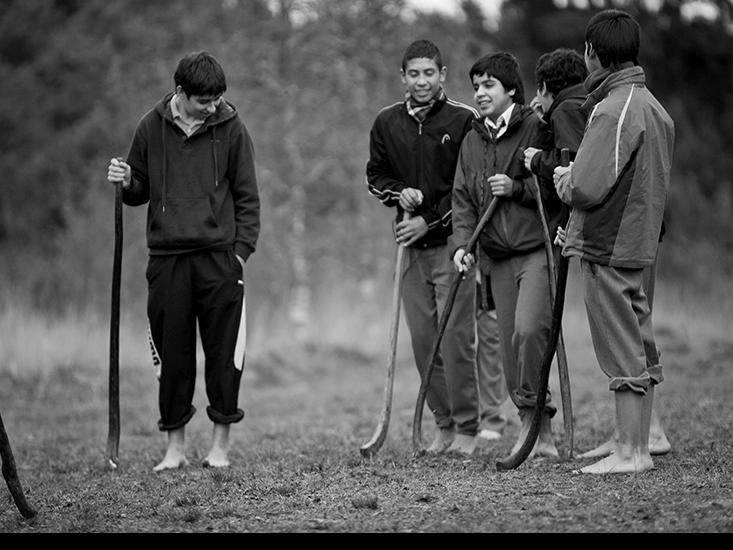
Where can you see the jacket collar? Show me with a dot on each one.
(224, 112)
(600, 83)
(577, 91)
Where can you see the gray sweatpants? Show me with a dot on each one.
(621, 326)
(521, 292)
(453, 391)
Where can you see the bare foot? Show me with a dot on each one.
(545, 444)
(172, 461)
(617, 464)
(659, 444)
(604, 449)
(216, 460)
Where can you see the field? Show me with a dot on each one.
(309, 407)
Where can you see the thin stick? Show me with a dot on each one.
(417, 447)
(371, 447)
(11, 475)
(113, 437)
(558, 301)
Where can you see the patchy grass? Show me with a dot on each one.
(296, 462)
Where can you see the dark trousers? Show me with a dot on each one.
(207, 287)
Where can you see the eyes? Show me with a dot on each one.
(206, 101)
(428, 73)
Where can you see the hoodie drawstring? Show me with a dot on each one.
(162, 123)
(216, 161)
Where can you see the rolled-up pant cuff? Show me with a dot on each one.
(639, 384)
(170, 427)
(219, 418)
(527, 404)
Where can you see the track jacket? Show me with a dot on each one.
(202, 189)
(618, 183)
(405, 153)
(515, 228)
(564, 127)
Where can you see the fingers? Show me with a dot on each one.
(410, 198)
(462, 261)
(118, 171)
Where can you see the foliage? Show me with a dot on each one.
(308, 77)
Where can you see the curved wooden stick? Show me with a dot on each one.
(371, 447)
(11, 475)
(562, 360)
(417, 447)
(558, 301)
(113, 435)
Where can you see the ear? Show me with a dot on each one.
(443, 73)
(512, 91)
(590, 52)
(402, 76)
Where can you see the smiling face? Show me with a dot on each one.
(423, 78)
(491, 96)
(197, 107)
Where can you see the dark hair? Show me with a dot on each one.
(615, 37)
(560, 69)
(199, 73)
(422, 48)
(504, 67)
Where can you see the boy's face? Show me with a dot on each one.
(491, 96)
(423, 78)
(197, 107)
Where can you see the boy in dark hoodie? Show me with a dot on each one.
(560, 96)
(192, 160)
(491, 164)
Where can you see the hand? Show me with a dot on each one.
(560, 236)
(536, 106)
(561, 177)
(410, 198)
(529, 153)
(119, 171)
(409, 231)
(501, 185)
(462, 261)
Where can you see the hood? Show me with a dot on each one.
(224, 112)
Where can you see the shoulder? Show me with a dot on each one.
(462, 108)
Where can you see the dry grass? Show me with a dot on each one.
(296, 463)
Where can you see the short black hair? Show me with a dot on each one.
(199, 73)
(504, 67)
(422, 48)
(560, 69)
(615, 37)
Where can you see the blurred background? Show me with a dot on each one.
(308, 78)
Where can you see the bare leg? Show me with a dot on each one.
(175, 455)
(658, 442)
(218, 455)
(633, 412)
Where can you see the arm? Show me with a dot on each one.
(568, 126)
(463, 212)
(244, 192)
(381, 180)
(605, 150)
(138, 192)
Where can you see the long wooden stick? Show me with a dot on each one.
(10, 474)
(371, 447)
(514, 460)
(562, 360)
(417, 447)
(113, 435)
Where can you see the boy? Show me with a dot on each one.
(617, 188)
(192, 160)
(560, 96)
(413, 148)
(491, 165)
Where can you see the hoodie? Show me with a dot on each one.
(201, 190)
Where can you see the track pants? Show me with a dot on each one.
(453, 391)
(207, 287)
(521, 290)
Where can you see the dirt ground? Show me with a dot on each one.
(297, 467)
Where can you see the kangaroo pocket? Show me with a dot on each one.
(186, 222)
